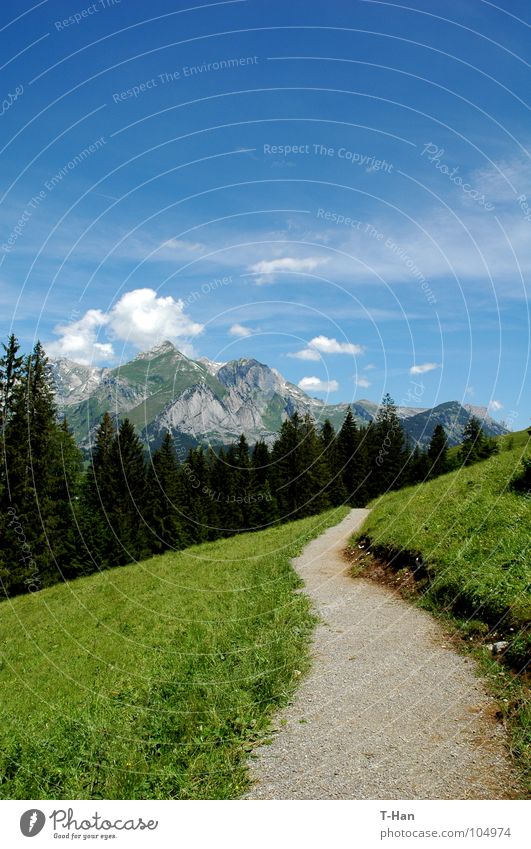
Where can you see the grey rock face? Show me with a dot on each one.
(162, 389)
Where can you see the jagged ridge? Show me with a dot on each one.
(197, 401)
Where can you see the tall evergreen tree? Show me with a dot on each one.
(128, 475)
(335, 489)
(98, 501)
(264, 508)
(10, 374)
(299, 473)
(242, 476)
(352, 457)
(387, 449)
(416, 467)
(235, 490)
(65, 496)
(475, 445)
(438, 452)
(222, 491)
(164, 499)
(197, 496)
(41, 474)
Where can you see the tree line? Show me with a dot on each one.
(61, 517)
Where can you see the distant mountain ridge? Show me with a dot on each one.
(201, 401)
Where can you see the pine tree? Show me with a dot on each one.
(235, 490)
(352, 451)
(197, 496)
(221, 487)
(98, 500)
(475, 446)
(387, 449)
(10, 374)
(438, 452)
(299, 475)
(264, 508)
(314, 478)
(286, 468)
(64, 496)
(473, 440)
(335, 489)
(128, 478)
(242, 475)
(34, 486)
(41, 475)
(417, 466)
(164, 499)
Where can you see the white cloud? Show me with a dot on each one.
(315, 384)
(470, 391)
(332, 346)
(362, 381)
(143, 319)
(139, 317)
(306, 354)
(495, 406)
(240, 330)
(268, 268)
(79, 340)
(369, 367)
(181, 245)
(324, 345)
(423, 368)
(505, 180)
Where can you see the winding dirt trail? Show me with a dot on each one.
(388, 711)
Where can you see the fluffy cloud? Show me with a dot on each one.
(495, 406)
(139, 318)
(315, 384)
(79, 340)
(423, 368)
(324, 345)
(332, 346)
(362, 381)
(266, 269)
(306, 354)
(240, 330)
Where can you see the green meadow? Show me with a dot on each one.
(154, 680)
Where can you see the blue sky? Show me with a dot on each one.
(340, 190)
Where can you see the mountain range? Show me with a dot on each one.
(202, 401)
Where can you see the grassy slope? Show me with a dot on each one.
(473, 536)
(472, 533)
(152, 680)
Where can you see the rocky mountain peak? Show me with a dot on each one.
(251, 373)
(165, 347)
(162, 389)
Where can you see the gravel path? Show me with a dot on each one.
(388, 711)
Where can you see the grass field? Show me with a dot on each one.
(469, 538)
(471, 534)
(154, 679)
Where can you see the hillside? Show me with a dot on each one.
(468, 536)
(201, 401)
(153, 680)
